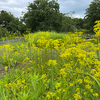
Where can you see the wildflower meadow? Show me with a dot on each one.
(51, 66)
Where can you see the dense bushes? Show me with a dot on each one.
(3, 32)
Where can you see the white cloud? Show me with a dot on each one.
(14, 6)
(79, 6)
(17, 6)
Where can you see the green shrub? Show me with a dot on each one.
(3, 32)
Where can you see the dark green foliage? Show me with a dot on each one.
(5, 16)
(92, 14)
(3, 32)
(43, 15)
(79, 23)
(67, 24)
(11, 23)
(15, 25)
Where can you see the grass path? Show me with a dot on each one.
(13, 40)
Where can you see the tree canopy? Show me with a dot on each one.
(92, 14)
(43, 15)
(10, 22)
(5, 16)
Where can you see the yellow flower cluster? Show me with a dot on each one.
(77, 96)
(58, 85)
(62, 72)
(6, 68)
(50, 95)
(74, 73)
(43, 76)
(15, 87)
(53, 62)
(25, 60)
(97, 28)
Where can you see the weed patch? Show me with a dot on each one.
(50, 66)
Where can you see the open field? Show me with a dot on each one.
(50, 66)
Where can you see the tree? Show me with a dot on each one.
(79, 23)
(5, 16)
(3, 32)
(67, 24)
(11, 23)
(15, 25)
(92, 14)
(43, 15)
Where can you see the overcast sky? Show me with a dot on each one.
(17, 6)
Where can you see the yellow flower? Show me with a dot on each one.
(52, 94)
(77, 89)
(28, 69)
(88, 86)
(27, 50)
(71, 84)
(79, 81)
(18, 82)
(23, 81)
(9, 84)
(95, 95)
(24, 86)
(6, 85)
(43, 76)
(49, 62)
(85, 93)
(44, 81)
(26, 59)
(22, 45)
(59, 90)
(6, 68)
(31, 67)
(96, 28)
(23, 72)
(31, 61)
(91, 90)
(77, 96)
(42, 66)
(48, 96)
(58, 85)
(62, 72)
(63, 90)
(57, 98)
(53, 62)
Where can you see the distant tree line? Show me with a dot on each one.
(8, 21)
(92, 14)
(44, 15)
